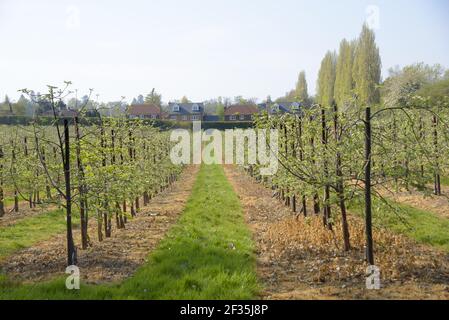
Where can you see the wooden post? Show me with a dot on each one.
(368, 213)
(71, 251)
(2, 204)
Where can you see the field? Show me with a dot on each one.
(161, 231)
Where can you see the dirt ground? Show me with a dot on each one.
(297, 258)
(116, 257)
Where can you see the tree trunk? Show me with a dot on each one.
(304, 206)
(133, 212)
(340, 185)
(316, 202)
(326, 200)
(99, 227)
(82, 189)
(16, 201)
(107, 225)
(2, 203)
(437, 177)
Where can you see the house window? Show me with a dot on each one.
(173, 117)
(232, 118)
(195, 117)
(153, 116)
(295, 106)
(184, 118)
(242, 117)
(195, 107)
(175, 108)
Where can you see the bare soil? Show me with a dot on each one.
(116, 257)
(297, 258)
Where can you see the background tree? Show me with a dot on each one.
(326, 80)
(344, 84)
(301, 89)
(220, 108)
(140, 99)
(184, 99)
(153, 97)
(400, 86)
(367, 68)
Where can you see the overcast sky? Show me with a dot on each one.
(202, 49)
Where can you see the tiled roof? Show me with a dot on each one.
(144, 109)
(286, 107)
(186, 108)
(243, 109)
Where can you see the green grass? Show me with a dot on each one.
(445, 180)
(30, 230)
(9, 200)
(422, 226)
(208, 254)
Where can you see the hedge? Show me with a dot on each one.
(162, 124)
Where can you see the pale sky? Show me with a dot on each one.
(202, 49)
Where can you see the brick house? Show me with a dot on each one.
(186, 111)
(144, 111)
(284, 107)
(240, 112)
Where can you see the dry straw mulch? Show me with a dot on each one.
(297, 258)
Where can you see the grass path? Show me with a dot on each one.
(208, 254)
(29, 230)
(423, 226)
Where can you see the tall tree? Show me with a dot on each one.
(8, 104)
(344, 84)
(20, 108)
(220, 111)
(367, 68)
(301, 88)
(326, 80)
(153, 97)
(140, 99)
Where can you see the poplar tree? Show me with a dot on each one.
(326, 80)
(344, 83)
(366, 69)
(301, 88)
